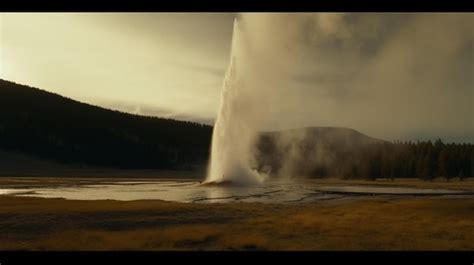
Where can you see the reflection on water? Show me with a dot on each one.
(13, 191)
(192, 191)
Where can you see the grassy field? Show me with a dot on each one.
(437, 183)
(379, 223)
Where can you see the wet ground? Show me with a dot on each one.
(192, 191)
(324, 214)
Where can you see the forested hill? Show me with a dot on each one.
(38, 129)
(53, 127)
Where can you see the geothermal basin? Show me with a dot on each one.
(193, 191)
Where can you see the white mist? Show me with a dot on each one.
(234, 131)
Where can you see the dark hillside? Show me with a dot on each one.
(53, 127)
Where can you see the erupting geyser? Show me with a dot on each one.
(234, 130)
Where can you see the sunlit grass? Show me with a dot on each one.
(370, 224)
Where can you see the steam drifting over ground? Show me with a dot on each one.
(387, 75)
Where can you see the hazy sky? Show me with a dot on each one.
(159, 64)
(392, 76)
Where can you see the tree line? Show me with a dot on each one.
(346, 153)
(425, 160)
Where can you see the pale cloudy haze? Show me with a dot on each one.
(392, 76)
(163, 64)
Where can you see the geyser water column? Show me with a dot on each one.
(234, 130)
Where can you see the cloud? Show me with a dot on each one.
(389, 75)
(171, 61)
(393, 76)
(154, 111)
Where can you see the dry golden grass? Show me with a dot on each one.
(382, 223)
(437, 183)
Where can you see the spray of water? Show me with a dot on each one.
(234, 130)
(298, 70)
